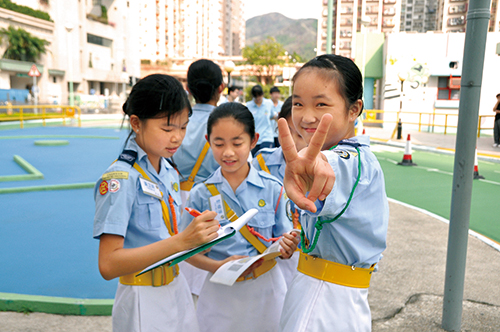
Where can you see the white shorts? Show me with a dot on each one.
(147, 308)
(314, 305)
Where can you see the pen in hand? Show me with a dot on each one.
(195, 213)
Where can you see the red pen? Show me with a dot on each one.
(193, 212)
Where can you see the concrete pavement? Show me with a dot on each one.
(407, 292)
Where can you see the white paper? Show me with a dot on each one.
(228, 273)
(232, 270)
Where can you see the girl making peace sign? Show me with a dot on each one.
(345, 213)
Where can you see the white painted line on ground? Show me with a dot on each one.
(483, 238)
(488, 181)
(392, 161)
(434, 170)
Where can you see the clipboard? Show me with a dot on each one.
(224, 233)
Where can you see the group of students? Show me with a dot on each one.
(323, 177)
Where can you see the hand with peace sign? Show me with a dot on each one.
(307, 170)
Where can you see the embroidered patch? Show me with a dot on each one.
(342, 154)
(128, 156)
(175, 186)
(262, 203)
(114, 185)
(103, 187)
(115, 175)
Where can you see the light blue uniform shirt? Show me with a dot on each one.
(275, 161)
(194, 141)
(258, 187)
(274, 112)
(262, 119)
(358, 237)
(125, 210)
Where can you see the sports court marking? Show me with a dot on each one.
(33, 173)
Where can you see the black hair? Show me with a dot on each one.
(344, 71)
(232, 88)
(238, 112)
(204, 78)
(498, 95)
(286, 109)
(257, 91)
(274, 89)
(156, 96)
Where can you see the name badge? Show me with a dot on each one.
(150, 188)
(217, 205)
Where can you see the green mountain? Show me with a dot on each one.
(295, 35)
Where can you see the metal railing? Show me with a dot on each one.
(425, 119)
(24, 113)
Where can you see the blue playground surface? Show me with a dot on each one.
(46, 224)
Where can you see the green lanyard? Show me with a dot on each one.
(319, 223)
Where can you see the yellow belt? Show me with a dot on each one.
(265, 267)
(335, 273)
(159, 276)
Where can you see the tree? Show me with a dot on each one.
(267, 58)
(21, 45)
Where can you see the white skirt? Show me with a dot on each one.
(314, 305)
(247, 306)
(289, 267)
(147, 308)
(195, 277)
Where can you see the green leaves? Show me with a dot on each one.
(264, 56)
(21, 45)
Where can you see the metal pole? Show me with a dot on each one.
(69, 28)
(35, 95)
(329, 28)
(475, 42)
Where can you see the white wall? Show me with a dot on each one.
(435, 50)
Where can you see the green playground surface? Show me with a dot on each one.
(429, 186)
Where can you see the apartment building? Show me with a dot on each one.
(188, 29)
(418, 15)
(452, 16)
(93, 44)
(233, 27)
(378, 16)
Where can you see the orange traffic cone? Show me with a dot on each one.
(476, 169)
(364, 131)
(407, 161)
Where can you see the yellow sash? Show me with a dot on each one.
(262, 163)
(188, 184)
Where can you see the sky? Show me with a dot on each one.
(291, 8)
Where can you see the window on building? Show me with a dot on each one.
(456, 21)
(93, 39)
(449, 88)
